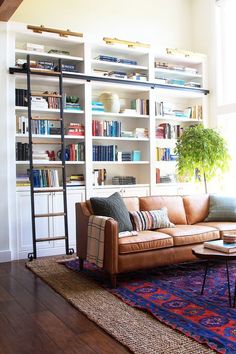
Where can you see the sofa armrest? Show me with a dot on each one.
(110, 242)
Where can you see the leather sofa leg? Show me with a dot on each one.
(81, 263)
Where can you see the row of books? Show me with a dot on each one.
(45, 178)
(47, 102)
(45, 65)
(140, 105)
(165, 154)
(170, 66)
(75, 152)
(22, 151)
(104, 152)
(166, 108)
(168, 131)
(106, 128)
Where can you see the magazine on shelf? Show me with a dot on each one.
(219, 245)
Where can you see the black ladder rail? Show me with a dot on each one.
(61, 100)
(62, 166)
(32, 255)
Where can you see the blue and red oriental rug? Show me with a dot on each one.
(172, 295)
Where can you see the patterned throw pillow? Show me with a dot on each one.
(150, 220)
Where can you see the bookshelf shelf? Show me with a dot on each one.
(119, 115)
(101, 64)
(49, 136)
(120, 162)
(176, 74)
(42, 55)
(178, 119)
(51, 110)
(119, 138)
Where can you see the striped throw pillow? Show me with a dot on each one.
(150, 220)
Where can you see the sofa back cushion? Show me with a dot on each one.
(174, 205)
(196, 207)
(132, 203)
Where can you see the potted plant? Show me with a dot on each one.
(202, 153)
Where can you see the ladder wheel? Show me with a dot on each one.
(71, 251)
(30, 257)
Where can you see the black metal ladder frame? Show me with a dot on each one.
(33, 255)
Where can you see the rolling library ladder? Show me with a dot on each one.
(62, 166)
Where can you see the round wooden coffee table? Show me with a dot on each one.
(213, 255)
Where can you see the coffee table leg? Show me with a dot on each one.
(204, 280)
(234, 294)
(227, 269)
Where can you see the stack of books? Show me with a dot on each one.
(76, 129)
(137, 76)
(122, 180)
(40, 155)
(22, 180)
(76, 180)
(97, 106)
(118, 74)
(221, 246)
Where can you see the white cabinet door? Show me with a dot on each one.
(45, 227)
(24, 224)
(73, 196)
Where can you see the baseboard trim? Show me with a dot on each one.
(5, 256)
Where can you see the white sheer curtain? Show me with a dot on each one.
(226, 83)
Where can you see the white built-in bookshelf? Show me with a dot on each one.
(170, 88)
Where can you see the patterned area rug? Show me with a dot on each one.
(135, 329)
(172, 295)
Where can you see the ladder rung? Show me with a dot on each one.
(46, 142)
(40, 94)
(45, 71)
(42, 239)
(46, 190)
(46, 118)
(49, 215)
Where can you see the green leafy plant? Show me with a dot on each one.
(201, 152)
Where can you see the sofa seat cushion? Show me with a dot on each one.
(145, 241)
(222, 226)
(191, 234)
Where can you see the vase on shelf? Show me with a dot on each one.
(111, 102)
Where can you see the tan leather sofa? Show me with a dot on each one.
(153, 247)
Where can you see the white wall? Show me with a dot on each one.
(4, 204)
(204, 41)
(163, 22)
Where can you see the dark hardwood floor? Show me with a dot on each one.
(35, 319)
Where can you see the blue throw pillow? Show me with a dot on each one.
(114, 207)
(222, 208)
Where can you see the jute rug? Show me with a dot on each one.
(135, 329)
